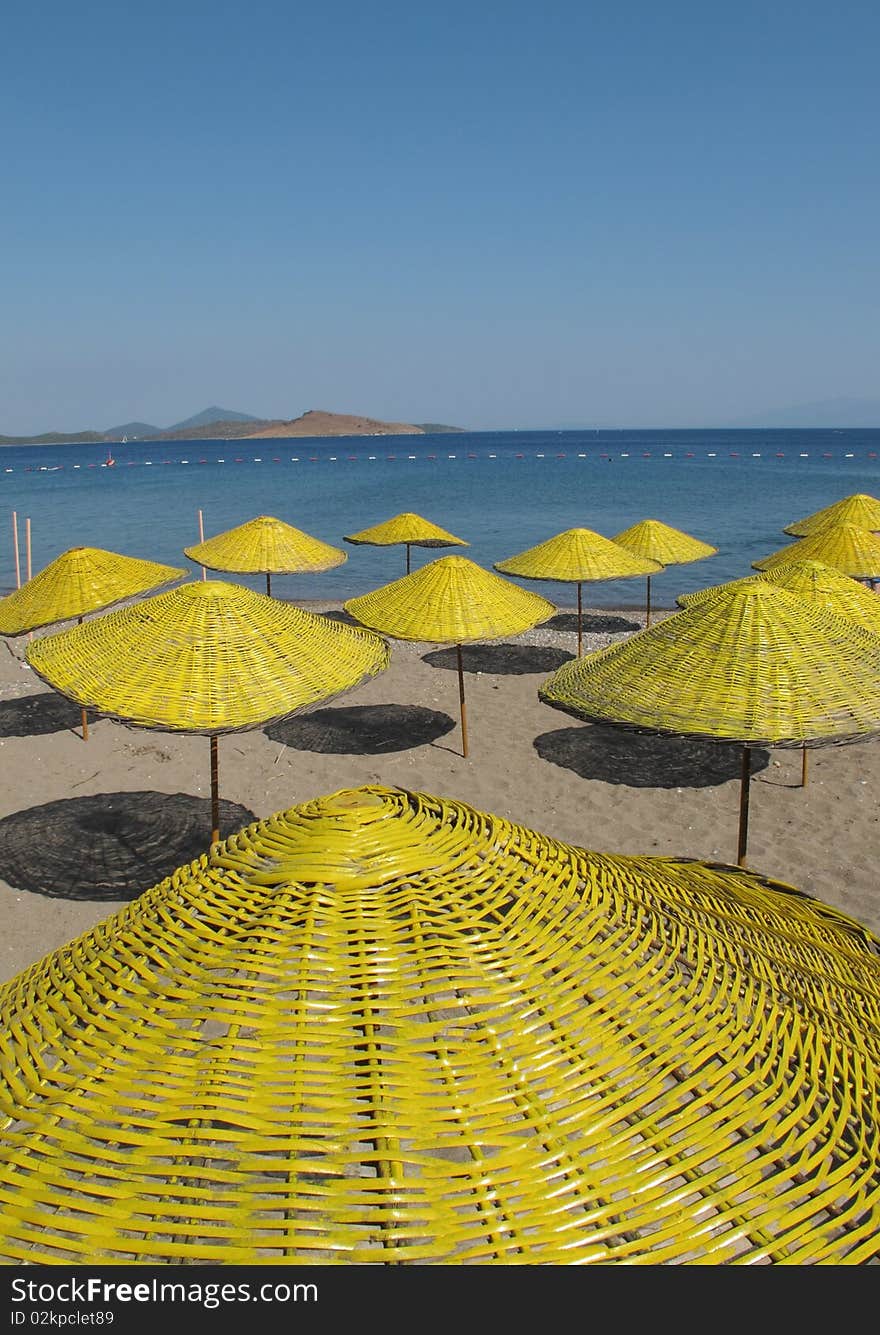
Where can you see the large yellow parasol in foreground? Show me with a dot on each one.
(858, 509)
(450, 601)
(209, 658)
(79, 581)
(266, 546)
(385, 1028)
(409, 530)
(574, 556)
(659, 542)
(848, 548)
(755, 665)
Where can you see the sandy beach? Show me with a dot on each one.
(85, 826)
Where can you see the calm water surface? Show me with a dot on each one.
(502, 491)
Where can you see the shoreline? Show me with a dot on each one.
(90, 824)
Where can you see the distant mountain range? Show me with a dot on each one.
(217, 423)
(144, 431)
(824, 413)
(224, 424)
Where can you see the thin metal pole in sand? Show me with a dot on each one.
(15, 544)
(744, 787)
(462, 706)
(648, 605)
(215, 793)
(580, 619)
(202, 539)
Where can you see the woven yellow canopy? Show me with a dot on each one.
(266, 546)
(409, 530)
(209, 657)
(81, 580)
(449, 601)
(857, 509)
(660, 542)
(578, 554)
(574, 556)
(384, 1028)
(814, 580)
(406, 528)
(848, 548)
(755, 664)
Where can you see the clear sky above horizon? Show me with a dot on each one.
(487, 214)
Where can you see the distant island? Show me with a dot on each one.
(319, 423)
(224, 424)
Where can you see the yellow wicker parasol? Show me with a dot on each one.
(858, 509)
(823, 585)
(450, 601)
(406, 529)
(385, 1028)
(820, 583)
(210, 658)
(755, 664)
(574, 556)
(81, 580)
(848, 548)
(265, 546)
(658, 542)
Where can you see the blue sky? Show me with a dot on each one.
(487, 214)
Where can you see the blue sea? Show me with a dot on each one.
(501, 491)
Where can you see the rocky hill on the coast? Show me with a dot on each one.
(319, 423)
(237, 426)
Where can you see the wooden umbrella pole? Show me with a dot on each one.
(407, 558)
(580, 619)
(744, 786)
(648, 605)
(268, 584)
(202, 539)
(27, 544)
(804, 765)
(85, 717)
(15, 545)
(215, 793)
(462, 706)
